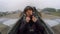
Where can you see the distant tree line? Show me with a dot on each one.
(58, 10)
(3, 14)
(51, 10)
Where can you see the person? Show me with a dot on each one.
(31, 24)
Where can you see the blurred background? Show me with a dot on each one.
(10, 12)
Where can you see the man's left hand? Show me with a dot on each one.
(34, 19)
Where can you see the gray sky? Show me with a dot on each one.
(11, 5)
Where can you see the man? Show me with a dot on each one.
(31, 25)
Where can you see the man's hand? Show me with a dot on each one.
(27, 19)
(34, 19)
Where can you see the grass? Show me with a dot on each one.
(55, 13)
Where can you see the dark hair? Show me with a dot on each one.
(28, 8)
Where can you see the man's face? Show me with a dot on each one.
(29, 12)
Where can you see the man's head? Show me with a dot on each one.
(28, 10)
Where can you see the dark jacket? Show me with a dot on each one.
(35, 27)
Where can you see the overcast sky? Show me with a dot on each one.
(11, 5)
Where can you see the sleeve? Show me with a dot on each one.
(39, 25)
(23, 26)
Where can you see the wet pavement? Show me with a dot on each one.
(6, 24)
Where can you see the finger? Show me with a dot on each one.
(32, 16)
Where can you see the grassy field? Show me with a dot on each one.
(12, 16)
(56, 13)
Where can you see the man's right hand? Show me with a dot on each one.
(27, 19)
